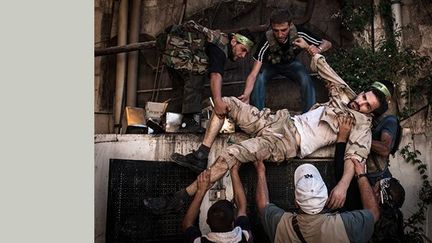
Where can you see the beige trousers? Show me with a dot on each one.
(273, 136)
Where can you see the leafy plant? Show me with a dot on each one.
(413, 225)
(361, 66)
(355, 14)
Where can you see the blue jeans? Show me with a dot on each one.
(294, 71)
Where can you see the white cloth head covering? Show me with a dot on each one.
(310, 189)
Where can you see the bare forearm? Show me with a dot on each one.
(325, 45)
(249, 85)
(239, 194)
(193, 210)
(262, 198)
(250, 80)
(216, 86)
(380, 148)
(367, 197)
(348, 174)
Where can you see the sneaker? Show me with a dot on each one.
(194, 161)
(172, 202)
(190, 125)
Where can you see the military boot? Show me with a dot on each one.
(196, 161)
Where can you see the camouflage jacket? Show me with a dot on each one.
(184, 46)
(276, 53)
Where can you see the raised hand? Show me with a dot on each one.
(345, 126)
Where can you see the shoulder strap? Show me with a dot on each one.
(297, 229)
(397, 139)
(204, 240)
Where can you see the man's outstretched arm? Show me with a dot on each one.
(250, 82)
(338, 194)
(220, 107)
(319, 64)
(239, 194)
(324, 46)
(240, 201)
(367, 197)
(262, 197)
(204, 184)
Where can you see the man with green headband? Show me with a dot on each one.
(386, 135)
(193, 52)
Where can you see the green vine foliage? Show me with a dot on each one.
(384, 9)
(413, 225)
(355, 14)
(360, 66)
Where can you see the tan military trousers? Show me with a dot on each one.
(273, 136)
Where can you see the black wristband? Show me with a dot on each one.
(361, 175)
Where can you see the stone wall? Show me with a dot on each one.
(158, 14)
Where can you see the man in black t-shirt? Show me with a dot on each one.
(190, 51)
(276, 54)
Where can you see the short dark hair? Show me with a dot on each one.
(220, 216)
(383, 106)
(279, 16)
(396, 194)
(246, 33)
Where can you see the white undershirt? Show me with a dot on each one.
(313, 134)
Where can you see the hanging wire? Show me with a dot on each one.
(159, 82)
(156, 78)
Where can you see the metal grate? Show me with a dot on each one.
(131, 181)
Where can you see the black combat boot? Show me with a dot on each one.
(196, 161)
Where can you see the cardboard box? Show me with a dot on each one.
(133, 120)
(155, 110)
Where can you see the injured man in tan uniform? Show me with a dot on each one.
(280, 136)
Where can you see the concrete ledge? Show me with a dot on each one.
(156, 148)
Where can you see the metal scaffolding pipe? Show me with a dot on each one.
(397, 23)
(125, 48)
(397, 30)
(150, 44)
(132, 69)
(121, 62)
